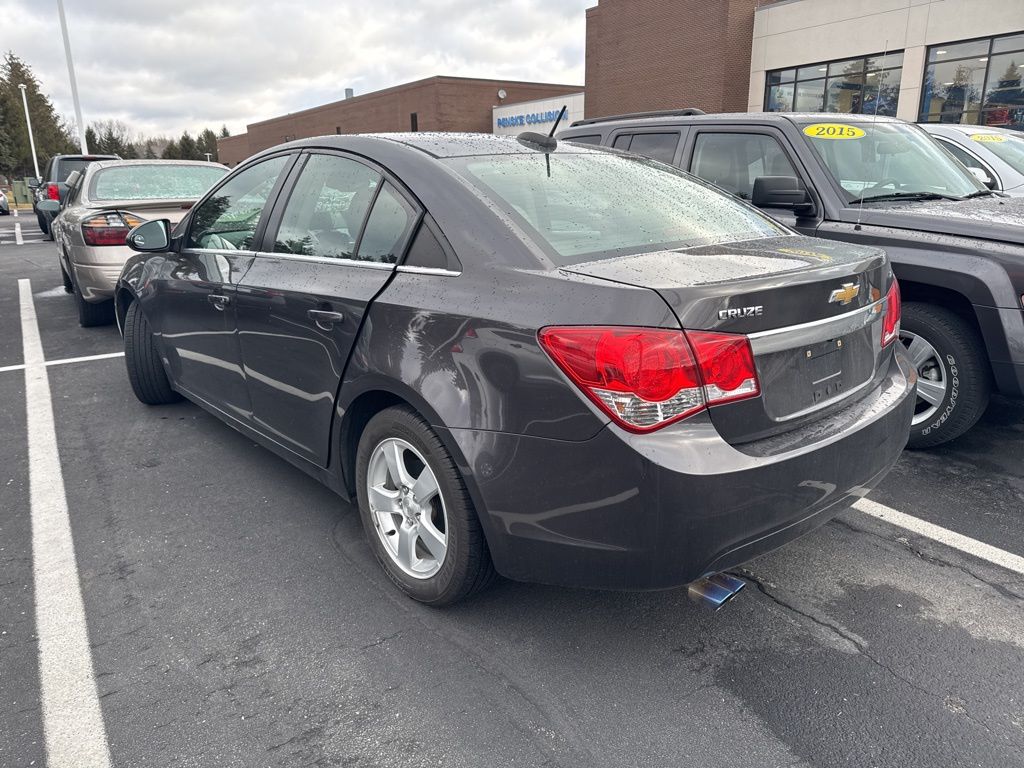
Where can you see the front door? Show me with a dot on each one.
(732, 158)
(197, 293)
(331, 247)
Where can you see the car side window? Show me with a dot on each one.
(966, 158)
(387, 229)
(657, 146)
(327, 208)
(589, 139)
(733, 161)
(229, 217)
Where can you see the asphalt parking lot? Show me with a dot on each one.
(235, 616)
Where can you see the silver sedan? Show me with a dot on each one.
(995, 153)
(103, 203)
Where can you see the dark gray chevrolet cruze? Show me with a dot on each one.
(566, 364)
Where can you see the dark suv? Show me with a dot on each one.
(53, 184)
(957, 248)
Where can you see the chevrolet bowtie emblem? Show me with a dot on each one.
(844, 295)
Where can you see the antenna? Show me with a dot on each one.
(558, 120)
(874, 120)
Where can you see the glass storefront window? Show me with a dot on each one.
(861, 85)
(977, 82)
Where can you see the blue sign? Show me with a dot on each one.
(530, 118)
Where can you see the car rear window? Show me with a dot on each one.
(66, 167)
(153, 182)
(580, 207)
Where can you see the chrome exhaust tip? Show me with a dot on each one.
(716, 590)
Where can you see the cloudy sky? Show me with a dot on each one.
(163, 67)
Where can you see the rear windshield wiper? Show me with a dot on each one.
(907, 196)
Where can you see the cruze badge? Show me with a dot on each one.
(732, 314)
(844, 295)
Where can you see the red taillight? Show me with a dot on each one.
(645, 378)
(52, 192)
(109, 228)
(891, 321)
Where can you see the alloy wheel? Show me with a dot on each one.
(407, 508)
(932, 379)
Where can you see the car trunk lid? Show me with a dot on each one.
(812, 310)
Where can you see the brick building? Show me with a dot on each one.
(666, 54)
(957, 61)
(434, 104)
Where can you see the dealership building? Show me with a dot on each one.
(920, 60)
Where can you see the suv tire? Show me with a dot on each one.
(949, 357)
(465, 567)
(145, 370)
(42, 224)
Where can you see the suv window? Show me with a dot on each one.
(387, 229)
(657, 146)
(594, 138)
(733, 160)
(228, 218)
(65, 167)
(327, 207)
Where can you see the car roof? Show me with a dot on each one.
(434, 144)
(758, 118)
(968, 129)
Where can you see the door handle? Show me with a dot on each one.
(219, 301)
(325, 318)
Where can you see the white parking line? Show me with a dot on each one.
(17, 234)
(65, 361)
(980, 549)
(72, 719)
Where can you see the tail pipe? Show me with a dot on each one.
(716, 590)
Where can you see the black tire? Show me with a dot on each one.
(965, 369)
(466, 568)
(145, 370)
(91, 314)
(43, 226)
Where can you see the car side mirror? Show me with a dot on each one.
(150, 236)
(984, 178)
(782, 192)
(49, 206)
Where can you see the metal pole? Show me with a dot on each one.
(28, 120)
(71, 76)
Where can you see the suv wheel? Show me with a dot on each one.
(954, 382)
(42, 224)
(92, 313)
(417, 514)
(145, 370)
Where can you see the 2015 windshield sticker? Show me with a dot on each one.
(987, 137)
(833, 131)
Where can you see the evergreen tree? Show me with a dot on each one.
(172, 151)
(187, 147)
(51, 134)
(147, 150)
(224, 132)
(207, 143)
(91, 139)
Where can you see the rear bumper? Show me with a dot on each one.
(97, 270)
(625, 511)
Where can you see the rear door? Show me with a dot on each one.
(732, 157)
(195, 297)
(331, 247)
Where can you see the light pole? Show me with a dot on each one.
(28, 121)
(71, 76)
(208, 156)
